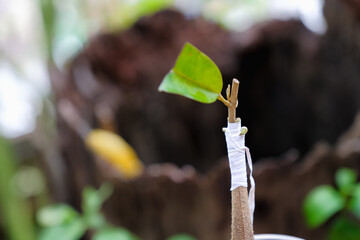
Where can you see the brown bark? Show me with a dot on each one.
(241, 226)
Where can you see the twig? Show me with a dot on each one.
(223, 100)
(233, 100)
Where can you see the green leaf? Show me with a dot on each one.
(73, 230)
(95, 220)
(114, 233)
(345, 179)
(194, 76)
(56, 215)
(181, 237)
(354, 203)
(93, 199)
(344, 229)
(322, 203)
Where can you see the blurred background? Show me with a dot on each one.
(69, 67)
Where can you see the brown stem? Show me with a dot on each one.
(233, 101)
(241, 226)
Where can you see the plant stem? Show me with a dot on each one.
(241, 226)
(15, 211)
(233, 101)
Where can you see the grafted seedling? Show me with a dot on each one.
(197, 77)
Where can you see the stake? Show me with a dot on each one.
(241, 226)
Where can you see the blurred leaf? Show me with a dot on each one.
(30, 181)
(48, 13)
(131, 11)
(92, 201)
(145, 7)
(181, 237)
(56, 215)
(345, 179)
(105, 191)
(114, 233)
(354, 203)
(14, 210)
(344, 229)
(194, 76)
(116, 151)
(95, 220)
(73, 230)
(320, 204)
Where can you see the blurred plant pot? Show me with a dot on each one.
(275, 237)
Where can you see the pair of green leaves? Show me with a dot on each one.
(324, 201)
(194, 76)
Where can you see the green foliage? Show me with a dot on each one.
(93, 199)
(194, 76)
(344, 229)
(345, 179)
(56, 215)
(72, 230)
(62, 222)
(354, 202)
(14, 210)
(323, 202)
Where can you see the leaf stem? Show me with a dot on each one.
(223, 100)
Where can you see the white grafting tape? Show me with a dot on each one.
(238, 154)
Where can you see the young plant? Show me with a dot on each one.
(62, 222)
(325, 201)
(197, 77)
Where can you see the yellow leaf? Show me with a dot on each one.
(116, 151)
